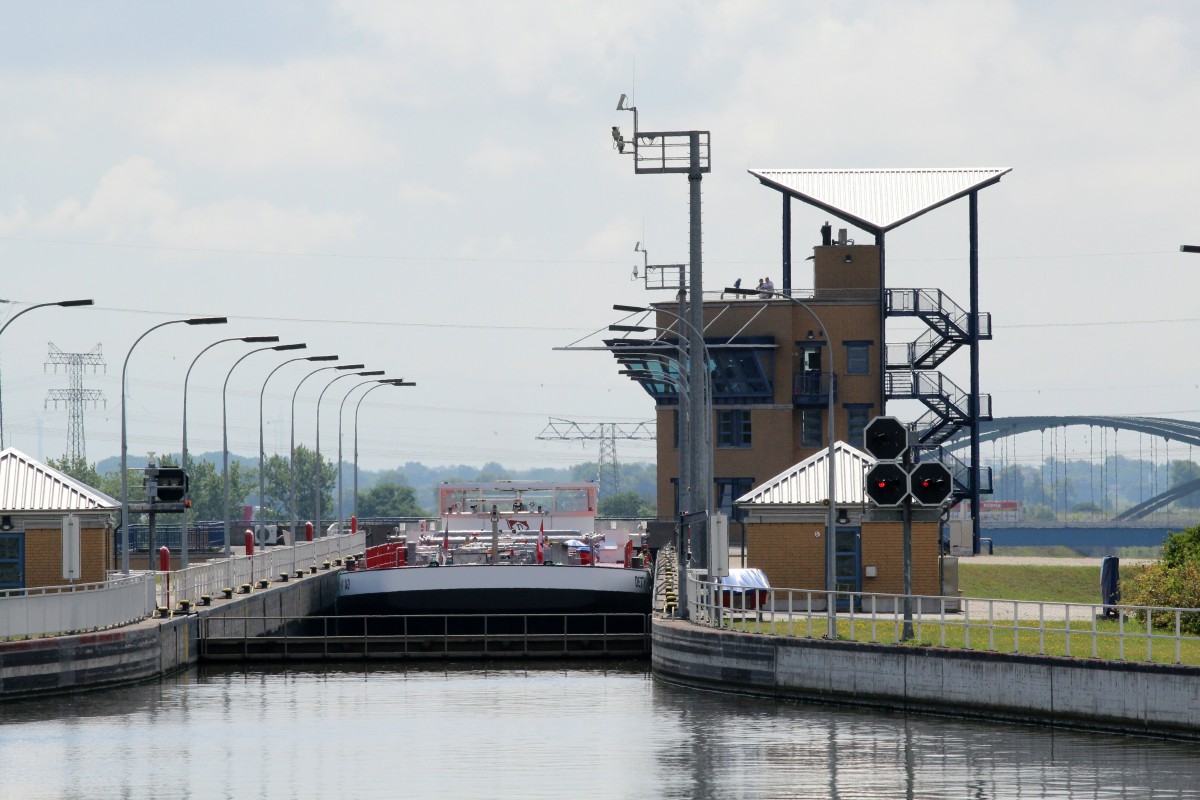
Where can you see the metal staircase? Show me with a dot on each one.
(949, 406)
(948, 328)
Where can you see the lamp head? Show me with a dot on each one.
(369, 373)
(631, 309)
(260, 338)
(350, 366)
(739, 290)
(321, 358)
(70, 303)
(206, 321)
(297, 346)
(628, 328)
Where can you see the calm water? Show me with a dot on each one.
(560, 731)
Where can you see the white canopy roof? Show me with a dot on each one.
(807, 483)
(878, 200)
(28, 485)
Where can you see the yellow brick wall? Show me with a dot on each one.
(43, 556)
(793, 558)
(883, 547)
(776, 442)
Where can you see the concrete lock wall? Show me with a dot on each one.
(154, 647)
(1154, 699)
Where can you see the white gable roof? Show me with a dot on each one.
(879, 200)
(807, 483)
(28, 485)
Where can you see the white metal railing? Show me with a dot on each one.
(210, 577)
(1082, 630)
(49, 610)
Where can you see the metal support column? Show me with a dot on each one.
(786, 279)
(879, 241)
(973, 331)
(700, 455)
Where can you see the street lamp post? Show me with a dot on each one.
(292, 462)
(225, 431)
(357, 406)
(831, 465)
(9, 321)
(317, 478)
(262, 483)
(183, 452)
(341, 409)
(124, 429)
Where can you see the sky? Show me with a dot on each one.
(431, 189)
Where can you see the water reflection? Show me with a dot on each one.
(537, 731)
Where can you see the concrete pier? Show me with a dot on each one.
(151, 648)
(1120, 696)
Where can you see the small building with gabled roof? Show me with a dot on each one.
(786, 517)
(37, 506)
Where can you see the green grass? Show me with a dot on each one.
(1047, 584)
(1026, 640)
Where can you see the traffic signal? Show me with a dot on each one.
(885, 438)
(171, 485)
(930, 483)
(887, 484)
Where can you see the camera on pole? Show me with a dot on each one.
(930, 483)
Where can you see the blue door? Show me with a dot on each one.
(847, 560)
(12, 560)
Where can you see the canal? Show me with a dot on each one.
(600, 730)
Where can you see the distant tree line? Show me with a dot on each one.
(408, 491)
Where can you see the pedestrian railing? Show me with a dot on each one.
(83, 607)
(211, 577)
(1075, 630)
(77, 608)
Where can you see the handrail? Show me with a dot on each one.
(1110, 632)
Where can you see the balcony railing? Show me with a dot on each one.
(811, 388)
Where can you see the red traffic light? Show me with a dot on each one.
(887, 484)
(931, 483)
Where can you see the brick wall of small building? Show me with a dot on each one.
(43, 556)
(794, 558)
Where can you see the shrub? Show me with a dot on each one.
(1182, 547)
(1161, 584)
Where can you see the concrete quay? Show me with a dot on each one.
(1143, 699)
(152, 648)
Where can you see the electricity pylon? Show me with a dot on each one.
(75, 396)
(607, 433)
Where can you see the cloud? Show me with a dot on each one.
(500, 160)
(133, 204)
(420, 194)
(302, 114)
(520, 46)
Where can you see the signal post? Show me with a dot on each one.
(895, 482)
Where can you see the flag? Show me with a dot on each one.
(541, 535)
(446, 539)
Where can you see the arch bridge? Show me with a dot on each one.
(1182, 431)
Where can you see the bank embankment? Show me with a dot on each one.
(153, 647)
(1118, 696)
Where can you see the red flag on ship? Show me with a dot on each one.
(446, 539)
(541, 535)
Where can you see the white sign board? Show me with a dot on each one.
(718, 543)
(70, 548)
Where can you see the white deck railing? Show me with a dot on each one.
(1083, 630)
(210, 577)
(50, 610)
(83, 607)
